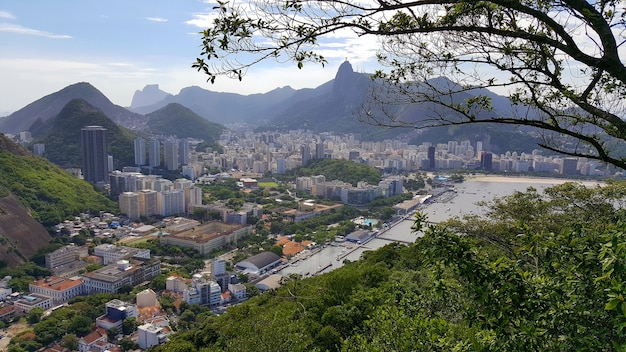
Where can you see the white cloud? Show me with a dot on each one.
(6, 15)
(15, 28)
(156, 19)
(201, 20)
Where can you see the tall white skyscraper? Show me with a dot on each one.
(154, 153)
(171, 155)
(183, 152)
(140, 151)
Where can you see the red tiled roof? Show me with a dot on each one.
(57, 283)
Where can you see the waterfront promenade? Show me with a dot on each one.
(444, 206)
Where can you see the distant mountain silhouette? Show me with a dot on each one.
(50, 105)
(336, 105)
(222, 107)
(177, 120)
(329, 107)
(61, 135)
(149, 95)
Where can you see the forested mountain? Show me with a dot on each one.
(33, 192)
(177, 120)
(61, 135)
(49, 106)
(544, 272)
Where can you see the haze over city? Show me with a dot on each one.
(119, 47)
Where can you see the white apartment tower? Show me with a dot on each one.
(154, 153)
(183, 152)
(140, 151)
(148, 203)
(171, 155)
(129, 204)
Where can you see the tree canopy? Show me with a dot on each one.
(340, 169)
(558, 61)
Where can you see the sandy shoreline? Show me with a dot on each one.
(525, 179)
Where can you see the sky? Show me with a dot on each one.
(120, 46)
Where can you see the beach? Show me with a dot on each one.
(529, 180)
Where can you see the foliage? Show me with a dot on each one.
(559, 62)
(34, 315)
(339, 169)
(51, 193)
(175, 119)
(212, 146)
(129, 325)
(127, 344)
(23, 274)
(70, 341)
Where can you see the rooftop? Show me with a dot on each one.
(206, 232)
(57, 283)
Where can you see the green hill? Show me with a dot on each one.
(61, 135)
(177, 120)
(50, 193)
(35, 193)
(340, 169)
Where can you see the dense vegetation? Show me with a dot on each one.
(61, 135)
(542, 272)
(177, 120)
(339, 169)
(51, 193)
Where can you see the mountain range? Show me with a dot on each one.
(333, 106)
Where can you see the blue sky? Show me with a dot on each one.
(119, 46)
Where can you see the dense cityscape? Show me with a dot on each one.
(312, 176)
(155, 208)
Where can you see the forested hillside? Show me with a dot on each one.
(340, 169)
(544, 272)
(62, 137)
(50, 193)
(177, 120)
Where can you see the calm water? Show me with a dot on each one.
(464, 202)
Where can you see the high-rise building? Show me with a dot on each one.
(129, 205)
(183, 152)
(486, 161)
(306, 154)
(148, 203)
(95, 158)
(479, 148)
(319, 150)
(172, 202)
(140, 151)
(569, 166)
(431, 157)
(171, 155)
(281, 166)
(154, 153)
(39, 149)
